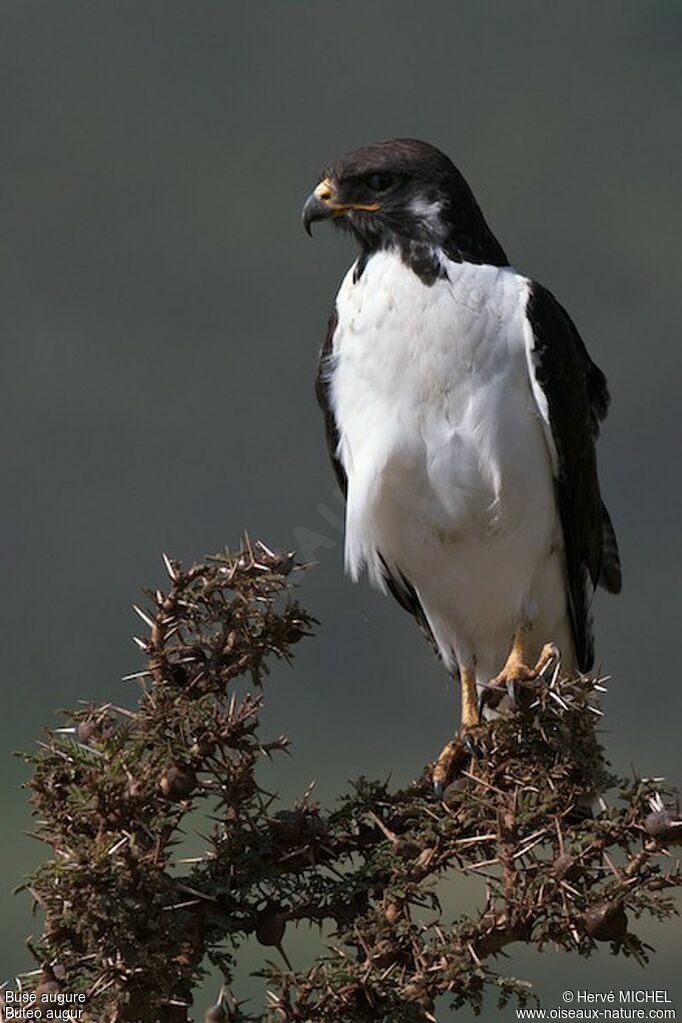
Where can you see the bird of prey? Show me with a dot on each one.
(461, 411)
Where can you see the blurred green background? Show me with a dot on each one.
(162, 313)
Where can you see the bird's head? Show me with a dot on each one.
(403, 191)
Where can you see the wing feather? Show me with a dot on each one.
(397, 584)
(572, 399)
(322, 392)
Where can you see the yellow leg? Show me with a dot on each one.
(455, 751)
(517, 655)
(467, 683)
(516, 666)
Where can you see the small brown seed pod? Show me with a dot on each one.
(607, 921)
(177, 782)
(662, 826)
(393, 912)
(85, 731)
(271, 924)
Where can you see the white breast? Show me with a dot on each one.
(449, 473)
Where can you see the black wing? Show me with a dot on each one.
(577, 402)
(322, 384)
(398, 586)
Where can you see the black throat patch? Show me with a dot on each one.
(419, 257)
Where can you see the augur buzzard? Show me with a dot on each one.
(461, 413)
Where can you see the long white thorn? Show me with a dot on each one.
(169, 567)
(146, 618)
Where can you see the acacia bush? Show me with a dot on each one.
(133, 925)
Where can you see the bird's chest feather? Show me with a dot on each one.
(431, 395)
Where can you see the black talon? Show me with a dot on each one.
(470, 746)
(512, 694)
(438, 789)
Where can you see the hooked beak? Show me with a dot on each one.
(322, 205)
(319, 205)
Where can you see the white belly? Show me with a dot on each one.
(449, 474)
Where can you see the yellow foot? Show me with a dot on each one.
(454, 756)
(515, 672)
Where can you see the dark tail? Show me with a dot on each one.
(610, 577)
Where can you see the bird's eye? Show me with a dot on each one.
(379, 182)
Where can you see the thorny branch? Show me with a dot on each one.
(133, 925)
